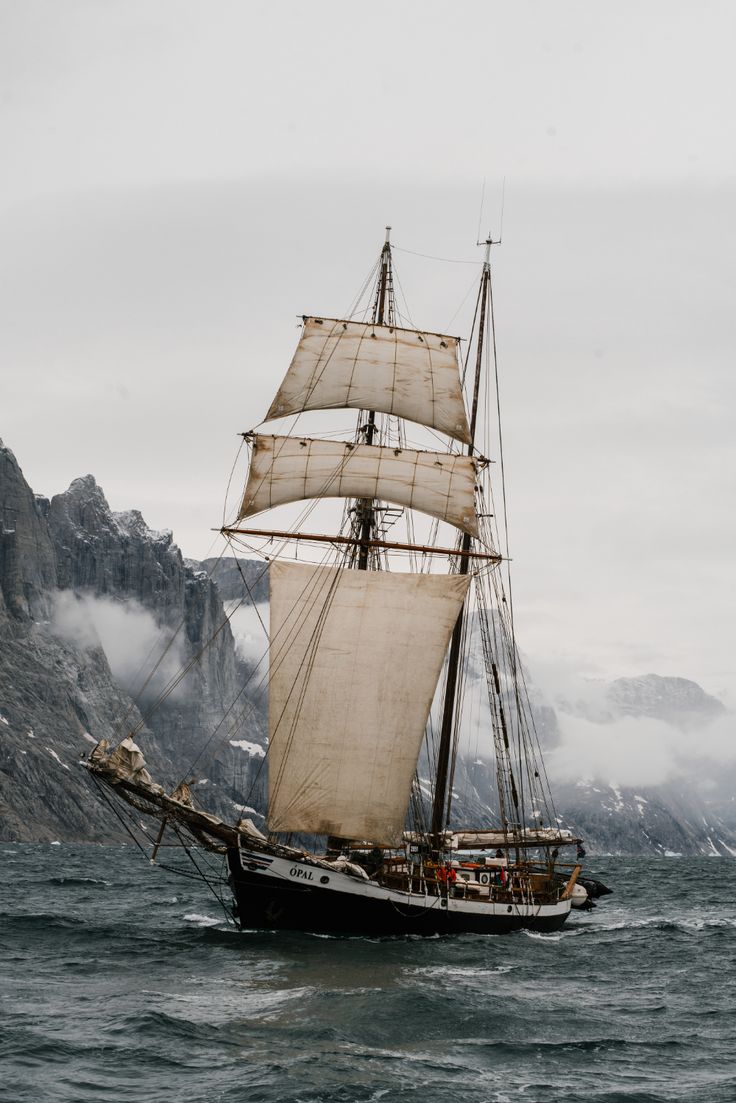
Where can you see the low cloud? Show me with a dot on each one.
(128, 634)
(633, 750)
(249, 625)
(597, 744)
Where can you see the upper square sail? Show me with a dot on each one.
(290, 469)
(354, 658)
(366, 366)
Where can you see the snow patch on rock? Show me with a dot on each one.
(55, 755)
(249, 748)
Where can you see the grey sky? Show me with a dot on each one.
(181, 180)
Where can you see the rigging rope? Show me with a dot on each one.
(428, 256)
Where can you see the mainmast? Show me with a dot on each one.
(450, 707)
(365, 508)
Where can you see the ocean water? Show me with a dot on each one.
(123, 982)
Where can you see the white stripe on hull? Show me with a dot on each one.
(270, 870)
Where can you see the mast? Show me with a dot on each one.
(365, 508)
(439, 805)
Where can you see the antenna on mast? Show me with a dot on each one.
(503, 202)
(480, 213)
(489, 240)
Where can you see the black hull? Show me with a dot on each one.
(263, 903)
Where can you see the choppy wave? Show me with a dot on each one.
(124, 983)
(70, 882)
(691, 924)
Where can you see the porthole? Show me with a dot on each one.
(324, 880)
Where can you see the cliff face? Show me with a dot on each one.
(116, 555)
(27, 561)
(52, 696)
(237, 579)
(83, 589)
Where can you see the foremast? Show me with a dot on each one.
(365, 508)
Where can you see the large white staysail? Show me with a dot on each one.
(367, 366)
(355, 657)
(289, 469)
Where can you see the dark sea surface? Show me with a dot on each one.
(123, 982)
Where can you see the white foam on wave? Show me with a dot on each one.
(473, 972)
(685, 923)
(202, 920)
(696, 923)
(370, 939)
(72, 880)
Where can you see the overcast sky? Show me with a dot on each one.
(181, 180)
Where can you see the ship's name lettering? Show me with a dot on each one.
(304, 874)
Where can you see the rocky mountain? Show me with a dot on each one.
(88, 600)
(99, 615)
(686, 814)
(663, 820)
(237, 579)
(676, 701)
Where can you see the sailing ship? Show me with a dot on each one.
(377, 627)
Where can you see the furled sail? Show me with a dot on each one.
(373, 367)
(289, 469)
(355, 657)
